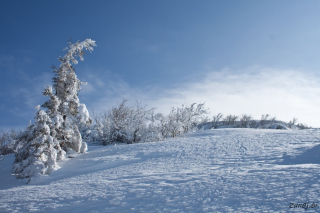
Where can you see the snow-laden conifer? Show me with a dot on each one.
(39, 153)
(55, 132)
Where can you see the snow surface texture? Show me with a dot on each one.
(222, 170)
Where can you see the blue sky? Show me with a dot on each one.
(253, 57)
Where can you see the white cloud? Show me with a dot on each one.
(256, 91)
(282, 93)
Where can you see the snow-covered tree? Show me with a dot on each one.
(66, 86)
(39, 154)
(66, 83)
(55, 132)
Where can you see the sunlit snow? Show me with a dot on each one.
(223, 170)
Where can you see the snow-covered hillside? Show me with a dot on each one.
(223, 170)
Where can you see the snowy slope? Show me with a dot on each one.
(224, 170)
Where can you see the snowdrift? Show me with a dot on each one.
(220, 170)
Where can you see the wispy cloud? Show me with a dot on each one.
(256, 91)
(284, 93)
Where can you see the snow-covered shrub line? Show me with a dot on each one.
(133, 124)
(246, 121)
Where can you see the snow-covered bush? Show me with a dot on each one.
(216, 119)
(190, 116)
(174, 123)
(55, 132)
(161, 124)
(230, 119)
(125, 124)
(181, 120)
(266, 119)
(132, 124)
(244, 120)
(98, 131)
(303, 126)
(128, 124)
(8, 142)
(277, 125)
(292, 122)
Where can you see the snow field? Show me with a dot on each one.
(223, 170)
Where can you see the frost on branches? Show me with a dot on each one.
(124, 124)
(133, 124)
(55, 133)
